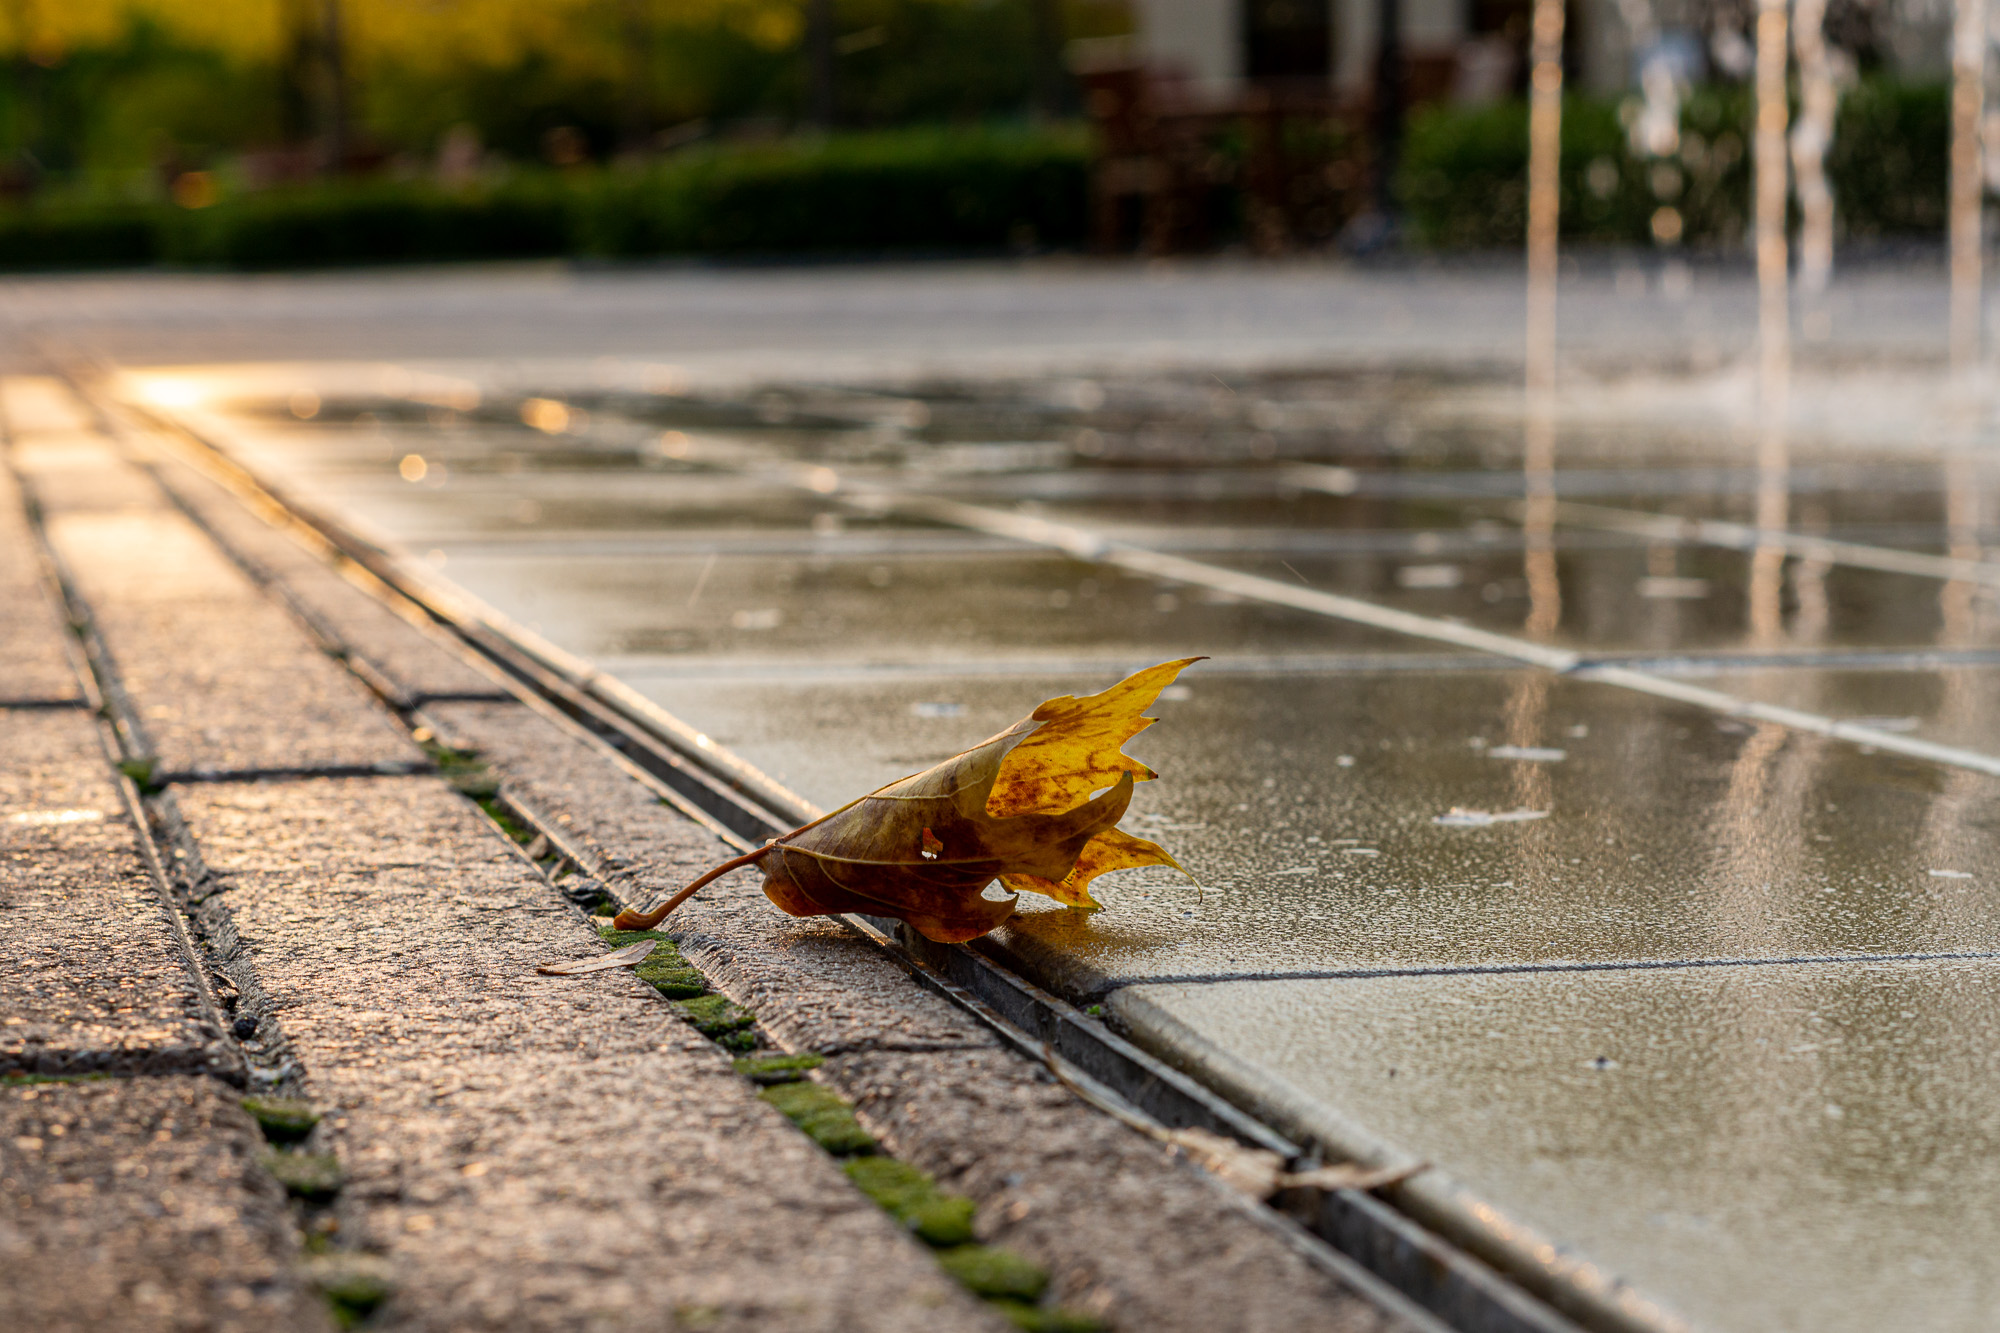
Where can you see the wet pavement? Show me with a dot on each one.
(287, 898)
(1631, 867)
(1680, 992)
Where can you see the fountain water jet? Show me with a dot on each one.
(1819, 100)
(1968, 96)
(1774, 319)
(1544, 214)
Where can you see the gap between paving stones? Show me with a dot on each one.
(492, 1125)
(1507, 969)
(1745, 537)
(132, 1187)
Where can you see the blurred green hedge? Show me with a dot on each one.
(1463, 181)
(911, 190)
(935, 189)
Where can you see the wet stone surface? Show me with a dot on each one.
(221, 679)
(495, 1126)
(1669, 833)
(96, 981)
(140, 1204)
(1347, 814)
(1768, 1148)
(935, 608)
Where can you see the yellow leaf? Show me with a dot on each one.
(1078, 748)
(1113, 849)
(924, 848)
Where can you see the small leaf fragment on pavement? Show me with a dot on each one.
(1255, 1171)
(1354, 1176)
(1534, 754)
(1461, 817)
(1035, 807)
(1259, 1172)
(630, 956)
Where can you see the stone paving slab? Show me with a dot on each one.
(82, 473)
(97, 979)
(1765, 1148)
(527, 1152)
(40, 404)
(221, 679)
(1146, 1242)
(402, 657)
(33, 665)
(140, 1205)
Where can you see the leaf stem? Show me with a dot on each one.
(631, 920)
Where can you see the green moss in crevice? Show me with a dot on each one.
(771, 1069)
(913, 1198)
(994, 1273)
(306, 1175)
(721, 1020)
(822, 1116)
(353, 1286)
(281, 1120)
(509, 825)
(465, 770)
(664, 969)
(481, 786)
(1035, 1319)
(141, 771)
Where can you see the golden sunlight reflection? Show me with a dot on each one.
(170, 391)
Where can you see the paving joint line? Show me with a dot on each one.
(106, 699)
(1515, 969)
(1804, 546)
(306, 773)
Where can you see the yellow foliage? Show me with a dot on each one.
(579, 35)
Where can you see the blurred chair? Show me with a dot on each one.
(1171, 162)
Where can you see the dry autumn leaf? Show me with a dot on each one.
(1018, 808)
(1259, 1172)
(630, 956)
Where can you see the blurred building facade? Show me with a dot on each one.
(1472, 51)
